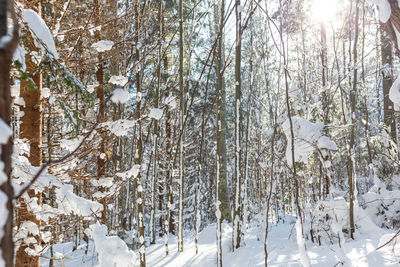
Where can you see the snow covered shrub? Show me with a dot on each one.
(382, 205)
(111, 249)
(328, 216)
(308, 137)
(385, 162)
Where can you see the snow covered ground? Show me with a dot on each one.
(282, 248)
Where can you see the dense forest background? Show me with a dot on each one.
(147, 119)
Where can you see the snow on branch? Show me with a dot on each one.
(68, 202)
(156, 113)
(394, 93)
(384, 9)
(118, 80)
(119, 95)
(119, 127)
(131, 173)
(307, 137)
(40, 30)
(103, 46)
(5, 132)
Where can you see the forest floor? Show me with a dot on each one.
(282, 248)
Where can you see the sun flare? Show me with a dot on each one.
(324, 10)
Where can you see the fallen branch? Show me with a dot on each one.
(390, 241)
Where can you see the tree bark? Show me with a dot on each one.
(139, 144)
(181, 121)
(6, 189)
(236, 232)
(353, 93)
(101, 159)
(387, 80)
(220, 140)
(31, 129)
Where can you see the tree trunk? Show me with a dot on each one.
(139, 145)
(387, 80)
(101, 164)
(219, 18)
(269, 197)
(31, 129)
(6, 189)
(353, 93)
(325, 98)
(236, 232)
(220, 140)
(181, 121)
(155, 137)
